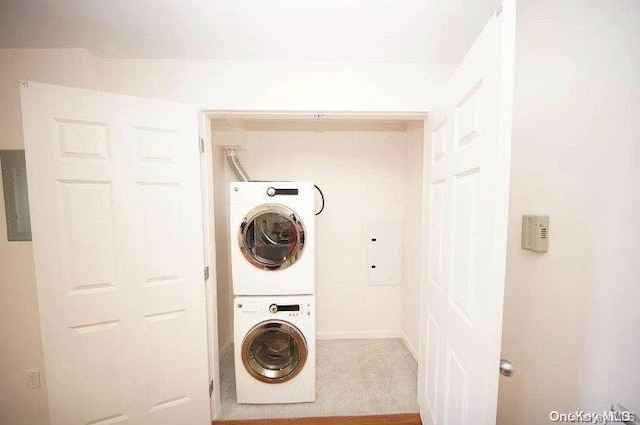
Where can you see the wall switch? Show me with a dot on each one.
(33, 379)
(535, 233)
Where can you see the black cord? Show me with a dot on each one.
(322, 196)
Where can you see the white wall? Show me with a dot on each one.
(363, 171)
(279, 85)
(222, 175)
(213, 84)
(571, 315)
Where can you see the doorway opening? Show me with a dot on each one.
(369, 170)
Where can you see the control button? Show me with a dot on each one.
(271, 191)
(273, 308)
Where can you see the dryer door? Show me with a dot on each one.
(271, 237)
(274, 351)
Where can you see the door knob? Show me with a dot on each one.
(506, 368)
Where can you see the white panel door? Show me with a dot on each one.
(467, 191)
(114, 187)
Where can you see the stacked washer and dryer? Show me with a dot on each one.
(273, 273)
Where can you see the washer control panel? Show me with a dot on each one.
(291, 310)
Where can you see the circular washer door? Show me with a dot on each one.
(271, 237)
(274, 351)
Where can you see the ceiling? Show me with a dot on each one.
(402, 31)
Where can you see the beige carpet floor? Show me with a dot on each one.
(354, 377)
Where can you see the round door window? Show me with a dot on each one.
(271, 237)
(274, 351)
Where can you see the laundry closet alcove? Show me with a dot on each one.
(370, 171)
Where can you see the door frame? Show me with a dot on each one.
(208, 202)
(209, 261)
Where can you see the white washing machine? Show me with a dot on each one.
(275, 349)
(272, 238)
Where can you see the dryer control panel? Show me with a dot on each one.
(272, 191)
(275, 309)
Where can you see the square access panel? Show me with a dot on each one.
(386, 256)
(16, 199)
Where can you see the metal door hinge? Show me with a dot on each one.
(201, 145)
(206, 273)
(210, 388)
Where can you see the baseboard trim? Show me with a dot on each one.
(398, 419)
(358, 335)
(409, 346)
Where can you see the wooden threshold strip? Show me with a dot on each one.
(400, 419)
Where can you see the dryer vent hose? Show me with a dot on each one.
(234, 162)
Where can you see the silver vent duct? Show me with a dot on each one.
(234, 162)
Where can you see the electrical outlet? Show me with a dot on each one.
(33, 379)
